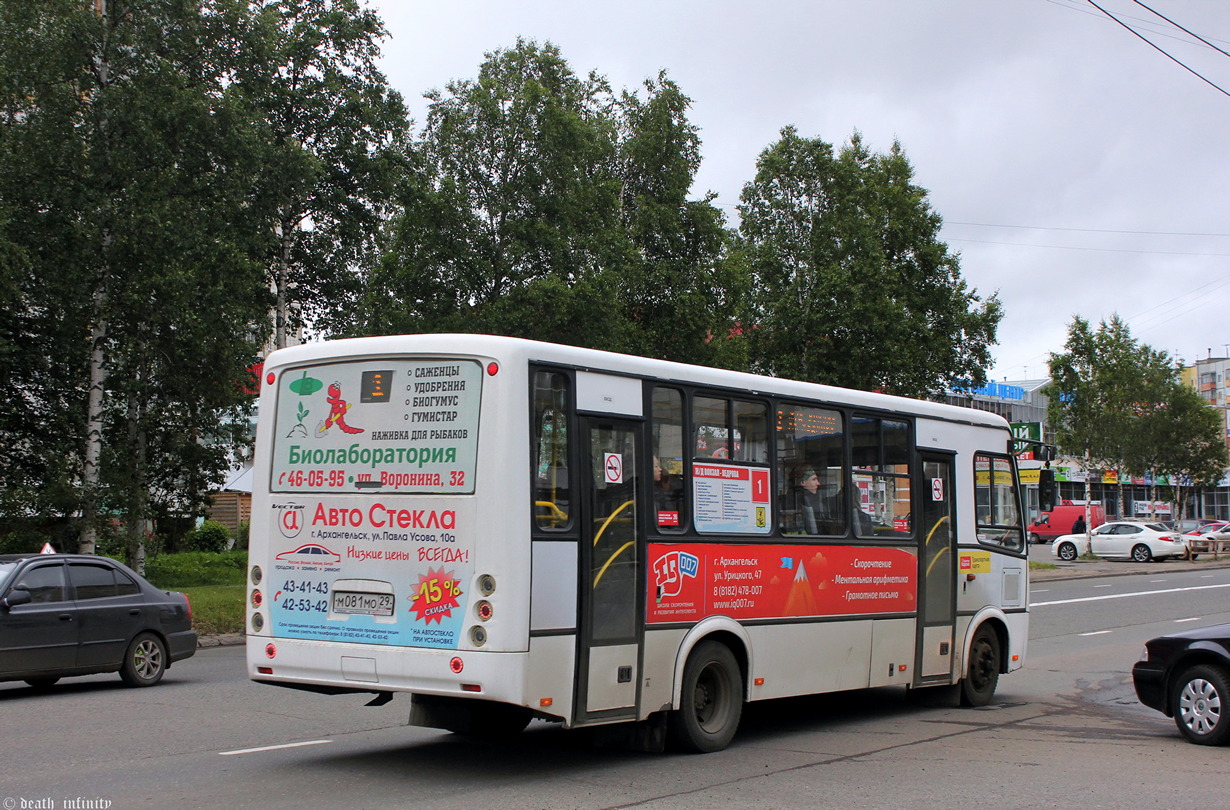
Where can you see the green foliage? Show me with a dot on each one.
(852, 285)
(543, 205)
(242, 534)
(216, 609)
(210, 536)
(195, 568)
(1120, 404)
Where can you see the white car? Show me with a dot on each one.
(1129, 539)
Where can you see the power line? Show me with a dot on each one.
(1074, 247)
(1081, 230)
(1181, 28)
(1158, 48)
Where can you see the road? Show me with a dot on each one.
(1066, 731)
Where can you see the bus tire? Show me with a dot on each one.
(981, 669)
(711, 701)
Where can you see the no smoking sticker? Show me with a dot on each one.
(613, 468)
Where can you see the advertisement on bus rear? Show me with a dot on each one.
(778, 581)
(377, 426)
(372, 571)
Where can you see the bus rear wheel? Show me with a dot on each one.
(982, 668)
(711, 701)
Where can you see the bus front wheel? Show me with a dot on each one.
(982, 668)
(711, 701)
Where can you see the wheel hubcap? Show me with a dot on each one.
(1200, 706)
(147, 659)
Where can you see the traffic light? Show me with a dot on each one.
(1046, 489)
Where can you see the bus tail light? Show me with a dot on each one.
(471, 687)
(485, 610)
(493, 368)
(257, 598)
(256, 575)
(478, 635)
(258, 622)
(456, 664)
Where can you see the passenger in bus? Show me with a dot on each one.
(820, 513)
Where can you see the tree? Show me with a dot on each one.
(680, 288)
(853, 286)
(1118, 404)
(542, 205)
(1185, 442)
(126, 179)
(336, 138)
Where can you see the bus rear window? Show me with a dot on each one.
(393, 426)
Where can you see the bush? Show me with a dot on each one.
(209, 536)
(241, 535)
(195, 568)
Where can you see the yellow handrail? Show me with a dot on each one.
(931, 534)
(598, 536)
(559, 514)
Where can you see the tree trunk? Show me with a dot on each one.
(90, 473)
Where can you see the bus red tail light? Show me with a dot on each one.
(456, 665)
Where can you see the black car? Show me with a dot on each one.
(1186, 676)
(78, 614)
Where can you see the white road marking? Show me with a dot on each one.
(1127, 595)
(272, 748)
(1096, 633)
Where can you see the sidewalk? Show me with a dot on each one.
(1079, 569)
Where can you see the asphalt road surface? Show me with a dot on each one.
(1064, 732)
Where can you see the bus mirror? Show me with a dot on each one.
(1046, 490)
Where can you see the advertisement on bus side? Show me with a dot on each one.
(778, 581)
(382, 571)
(377, 426)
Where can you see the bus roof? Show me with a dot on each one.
(510, 349)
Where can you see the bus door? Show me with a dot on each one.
(937, 571)
(608, 660)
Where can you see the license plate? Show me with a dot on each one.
(368, 604)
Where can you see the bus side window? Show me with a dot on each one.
(810, 471)
(552, 487)
(881, 477)
(668, 460)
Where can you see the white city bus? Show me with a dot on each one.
(508, 530)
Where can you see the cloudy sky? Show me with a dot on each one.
(1079, 170)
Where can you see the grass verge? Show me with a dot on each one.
(216, 609)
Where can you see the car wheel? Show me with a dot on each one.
(1199, 704)
(42, 684)
(711, 702)
(1141, 553)
(1034, 538)
(982, 669)
(1067, 552)
(145, 662)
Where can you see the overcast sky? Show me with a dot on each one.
(1078, 170)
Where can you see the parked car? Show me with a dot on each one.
(1060, 520)
(1130, 539)
(1210, 538)
(1186, 675)
(78, 614)
(1194, 525)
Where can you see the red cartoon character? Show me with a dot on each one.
(337, 412)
